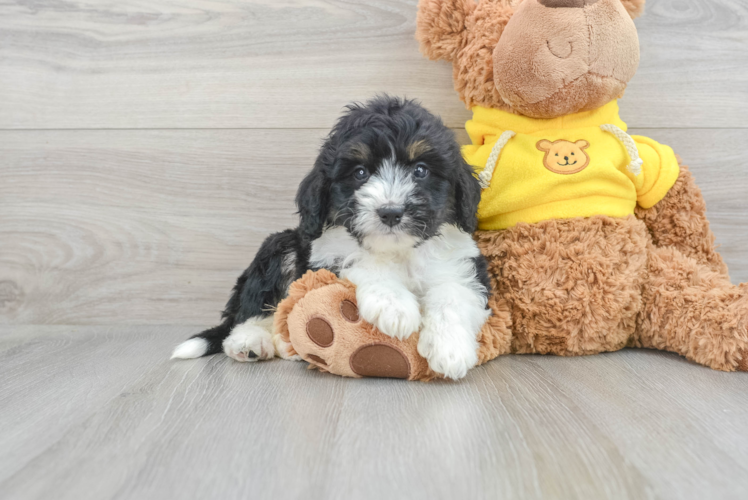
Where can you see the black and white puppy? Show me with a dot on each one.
(390, 205)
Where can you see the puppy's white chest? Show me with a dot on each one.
(335, 249)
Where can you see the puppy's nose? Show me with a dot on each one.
(390, 215)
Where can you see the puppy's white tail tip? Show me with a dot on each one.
(189, 349)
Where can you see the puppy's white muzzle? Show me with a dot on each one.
(381, 204)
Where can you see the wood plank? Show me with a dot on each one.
(139, 227)
(295, 63)
(153, 227)
(55, 378)
(115, 419)
(703, 413)
(195, 64)
(694, 65)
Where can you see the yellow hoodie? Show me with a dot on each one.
(577, 165)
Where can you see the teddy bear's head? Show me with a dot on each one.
(540, 58)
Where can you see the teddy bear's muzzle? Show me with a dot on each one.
(557, 57)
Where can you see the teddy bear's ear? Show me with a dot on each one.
(582, 144)
(440, 27)
(544, 145)
(635, 8)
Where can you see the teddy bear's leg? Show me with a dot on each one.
(495, 337)
(679, 221)
(319, 321)
(693, 310)
(573, 286)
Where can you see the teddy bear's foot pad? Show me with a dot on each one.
(320, 332)
(380, 360)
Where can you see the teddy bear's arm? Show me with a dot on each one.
(679, 220)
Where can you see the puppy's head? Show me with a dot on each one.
(392, 174)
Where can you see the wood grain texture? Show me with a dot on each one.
(110, 417)
(218, 64)
(139, 226)
(295, 63)
(153, 227)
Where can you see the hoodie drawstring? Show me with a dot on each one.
(635, 167)
(485, 176)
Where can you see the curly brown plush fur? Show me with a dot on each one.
(447, 20)
(465, 33)
(583, 286)
(680, 221)
(694, 311)
(573, 286)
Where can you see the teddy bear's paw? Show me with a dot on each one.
(380, 360)
(395, 312)
(327, 329)
(449, 349)
(250, 341)
(376, 359)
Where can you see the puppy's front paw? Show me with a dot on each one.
(283, 349)
(450, 350)
(395, 312)
(249, 342)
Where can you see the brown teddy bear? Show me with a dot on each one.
(595, 240)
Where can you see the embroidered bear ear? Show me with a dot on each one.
(545, 145)
(582, 144)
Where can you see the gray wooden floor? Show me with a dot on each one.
(99, 412)
(147, 148)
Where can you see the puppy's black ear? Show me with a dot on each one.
(467, 197)
(313, 200)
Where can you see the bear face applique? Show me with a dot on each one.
(564, 157)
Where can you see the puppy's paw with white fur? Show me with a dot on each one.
(249, 342)
(395, 312)
(283, 349)
(449, 349)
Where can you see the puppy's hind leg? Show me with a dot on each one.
(255, 340)
(245, 333)
(283, 349)
(278, 262)
(251, 340)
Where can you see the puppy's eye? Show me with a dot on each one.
(361, 174)
(420, 172)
